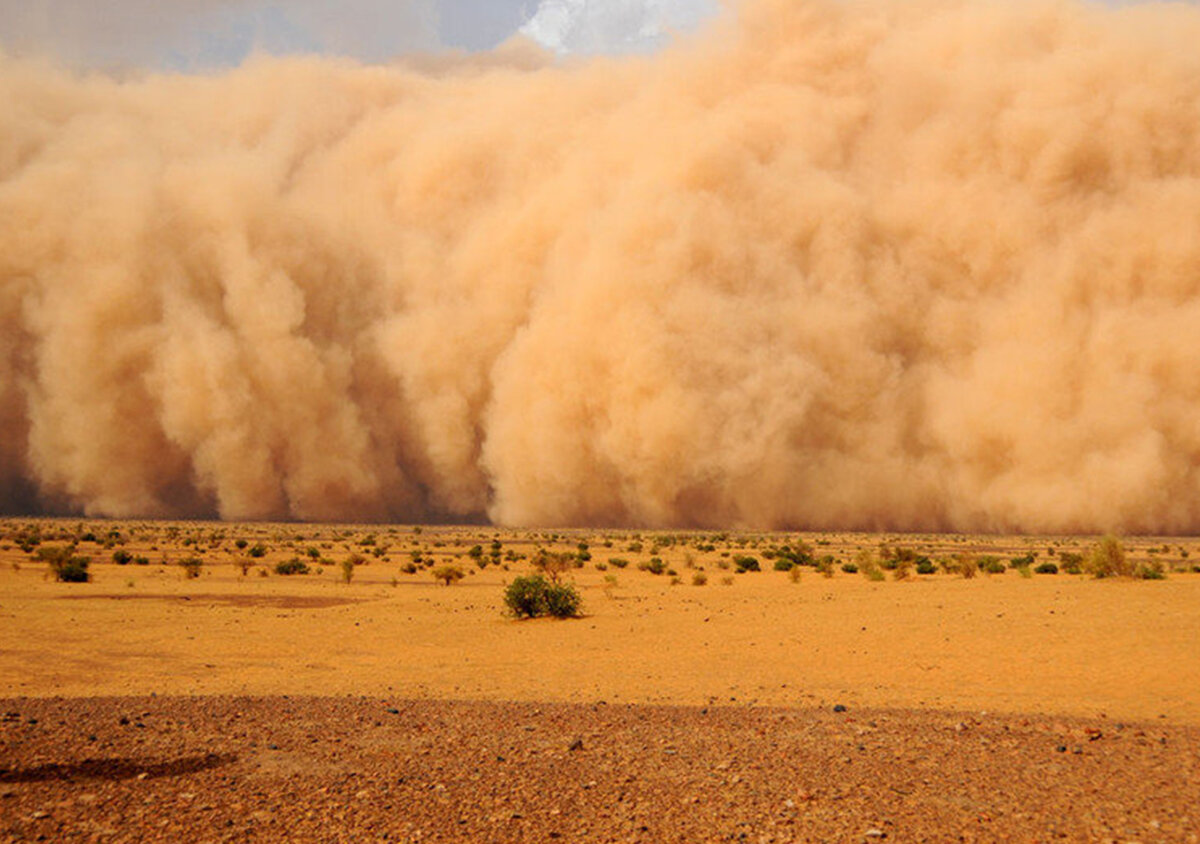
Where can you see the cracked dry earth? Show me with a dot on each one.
(368, 769)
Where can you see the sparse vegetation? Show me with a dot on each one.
(191, 567)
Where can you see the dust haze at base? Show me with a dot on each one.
(824, 264)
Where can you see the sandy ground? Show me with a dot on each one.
(1054, 644)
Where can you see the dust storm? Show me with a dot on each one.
(863, 264)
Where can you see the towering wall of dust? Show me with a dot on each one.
(928, 264)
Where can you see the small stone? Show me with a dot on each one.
(875, 833)
(1062, 748)
(839, 708)
(37, 816)
(577, 744)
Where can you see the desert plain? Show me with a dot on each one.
(367, 700)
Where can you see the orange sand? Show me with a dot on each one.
(1047, 644)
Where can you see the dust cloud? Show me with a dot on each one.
(833, 263)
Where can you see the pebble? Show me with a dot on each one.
(839, 708)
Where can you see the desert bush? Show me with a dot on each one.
(825, 565)
(257, 550)
(64, 564)
(794, 574)
(618, 562)
(654, 565)
(409, 568)
(849, 568)
(745, 563)
(347, 566)
(1020, 562)
(533, 596)
(191, 567)
(783, 563)
(926, 566)
(866, 563)
(122, 557)
(293, 566)
(1108, 559)
(991, 565)
(699, 578)
(1047, 568)
(726, 581)
(141, 561)
(1151, 570)
(447, 574)
(1072, 563)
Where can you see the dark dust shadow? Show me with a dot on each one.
(116, 769)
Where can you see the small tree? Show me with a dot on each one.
(447, 574)
(553, 565)
(1108, 559)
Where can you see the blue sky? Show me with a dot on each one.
(202, 34)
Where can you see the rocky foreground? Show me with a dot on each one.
(322, 769)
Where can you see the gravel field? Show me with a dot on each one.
(371, 769)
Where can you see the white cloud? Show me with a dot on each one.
(612, 26)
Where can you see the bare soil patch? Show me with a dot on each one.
(319, 769)
(279, 602)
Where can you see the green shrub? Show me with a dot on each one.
(1072, 563)
(533, 596)
(783, 563)
(926, 566)
(122, 557)
(258, 550)
(141, 561)
(849, 568)
(1047, 568)
(618, 562)
(347, 566)
(1021, 562)
(991, 565)
(293, 566)
(64, 564)
(699, 578)
(654, 565)
(1152, 570)
(191, 567)
(745, 563)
